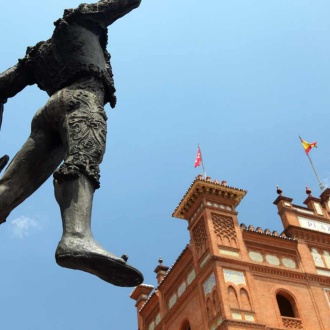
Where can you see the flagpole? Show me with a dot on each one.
(202, 161)
(317, 177)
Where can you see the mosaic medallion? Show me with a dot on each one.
(182, 289)
(256, 256)
(172, 301)
(287, 262)
(191, 277)
(273, 260)
(158, 319)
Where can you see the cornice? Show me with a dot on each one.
(288, 250)
(318, 278)
(310, 236)
(282, 198)
(263, 269)
(266, 232)
(290, 274)
(202, 186)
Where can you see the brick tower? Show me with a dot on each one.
(235, 277)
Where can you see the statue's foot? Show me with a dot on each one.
(87, 255)
(3, 219)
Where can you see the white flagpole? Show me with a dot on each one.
(317, 177)
(202, 161)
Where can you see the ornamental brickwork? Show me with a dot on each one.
(237, 277)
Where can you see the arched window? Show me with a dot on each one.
(216, 302)
(245, 301)
(185, 326)
(233, 302)
(286, 305)
(209, 309)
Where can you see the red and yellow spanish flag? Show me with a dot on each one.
(307, 146)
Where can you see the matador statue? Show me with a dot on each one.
(68, 134)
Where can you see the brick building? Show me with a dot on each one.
(231, 276)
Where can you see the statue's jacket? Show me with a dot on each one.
(73, 52)
(77, 49)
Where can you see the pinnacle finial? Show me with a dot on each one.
(308, 191)
(160, 260)
(279, 190)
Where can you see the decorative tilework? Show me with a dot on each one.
(317, 258)
(172, 301)
(236, 316)
(249, 317)
(228, 252)
(158, 319)
(182, 289)
(234, 276)
(221, 206)
(273, 260)
(289, 263)
(191, 276)
(256, 256)
(151, 326)
(323, 272)
(204, 261)
(209, 284)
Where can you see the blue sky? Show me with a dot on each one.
(242, 78)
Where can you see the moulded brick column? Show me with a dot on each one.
(140, 294)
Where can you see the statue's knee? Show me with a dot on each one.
(71, 171)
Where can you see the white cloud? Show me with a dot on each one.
(22, 226)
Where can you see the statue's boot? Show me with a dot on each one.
(77, 248)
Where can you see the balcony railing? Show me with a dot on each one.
(292, 323)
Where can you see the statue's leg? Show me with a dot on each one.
(83, 133)
(30, 168)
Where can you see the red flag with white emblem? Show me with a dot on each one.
(198, 157)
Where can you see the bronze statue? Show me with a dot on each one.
(73, 67)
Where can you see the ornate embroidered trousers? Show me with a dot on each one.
(76, 113)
